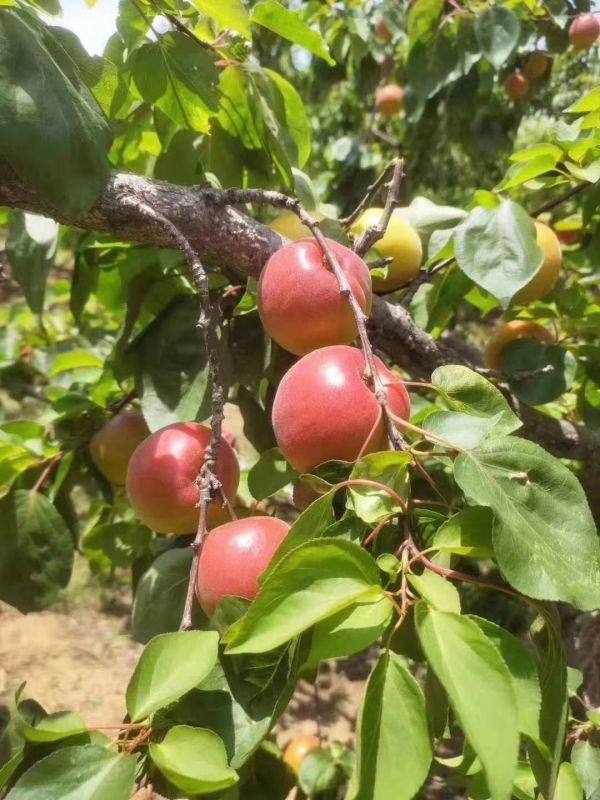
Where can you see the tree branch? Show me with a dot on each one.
(224, 236)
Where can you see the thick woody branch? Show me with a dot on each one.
(221, 235)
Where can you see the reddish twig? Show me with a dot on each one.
(210, 488)
(54, 461)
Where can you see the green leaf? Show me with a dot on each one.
(523, 670)
(350, 631)
(293, 118)
(179, 78)
(228, 13)
(30, 247)
(312, 582)
(120, 542)
(538, 150)
(480, 689)
(465, 431)
(311, 524)
(497, 30)
(393, 703)
(75, 359)
(54, 134)
(437, 591)
(390, 469)
(194, 760)
(270, 474)
(586, 763)
(468, 533)
(36, 551)
(78, 773)
(466, 391)
(289, 25)
(559, 367)
(160, 595)
(51, 728)
(497, 248)
(427, 217)
(589, 102)
(171, 665)
(170, 365)
(567, 785)
(524, 171)
(319, 774)
(544, 535)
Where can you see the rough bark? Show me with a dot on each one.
(228, 237)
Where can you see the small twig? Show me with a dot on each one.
(561, 199)
(371, 193)
(375, 232)
(119, 405)
(209, 485)
(37, 486)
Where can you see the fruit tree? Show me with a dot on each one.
(301, 343)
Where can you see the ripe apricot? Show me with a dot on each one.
(536, 65)
(324, 410)
(389, 99)
(297, 750)
(113, 445)
(383, 30)
(233, 558)
(290, 226)
(584, 31)
(299, 298)
(509, 332)
(161, 480)
(400, 242)
(545, 279)
(516, 85)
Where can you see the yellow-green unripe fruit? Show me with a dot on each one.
(401, 243)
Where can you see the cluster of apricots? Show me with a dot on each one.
(583, 33)
(324, 409)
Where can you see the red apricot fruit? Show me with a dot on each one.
(234, 557)
(510, 332)
(324, 410)
(389, 99)
(161, 480)
(536, 65)
(383, 30)
(584, 31)
(113, 445)
(297, 750)
(516, 85)
(299, 298)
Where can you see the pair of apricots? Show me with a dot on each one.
(583, 33)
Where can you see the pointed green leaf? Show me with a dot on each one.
(390, 469)
(54, 134)
(523, 670)
(468, 533)
(170, 665)
(544, 534)
(289, 25)
(497, 248)
(78, 773)
(228, 13)
(312, 582)
(437, 591)
(586, 763)
(497, 31)
(480, 689)
(194, 760)
(393, 703)
(466, 391)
